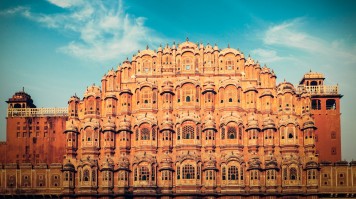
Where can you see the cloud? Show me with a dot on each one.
(289, 34)
(102, 31)
(266, 55)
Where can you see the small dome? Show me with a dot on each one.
(167, 87)
(268, 123)
(68, 166)
(249, 61)
(107, 164)
(254, 162)
(71, 126)
(124, 124)
(208, 86)
(123, 163)
(166, 162)
(209, 122)
(252, 122)
(285, 87)
(159, 48)
(167, 123)
(111, 73)
(92, 91)
(109, 126)
(73, 98)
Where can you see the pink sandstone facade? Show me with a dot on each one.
(177, 122)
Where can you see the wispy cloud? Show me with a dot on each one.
(103, 31)
(290, 34)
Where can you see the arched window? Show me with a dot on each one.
(178, 133)
(231, 132)
(290, 132)
(146, 96)
(146, 66)
(187, 62)
(188, 172)
(231, 93)
(187, 98)
(316, 104)
(86, 175)
(229, 64)
(222, 133)
(223, 173)
(293, 174)
(188, 91)
(153, 133)
(93, 175)
(188, 132)
(145, 134)
(144, 174)
(233, 173)
(330, 104)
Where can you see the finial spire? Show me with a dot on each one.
(23, 89)
(187, 39)
(147, 47)
(228, 45)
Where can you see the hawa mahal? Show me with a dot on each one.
(182, 121)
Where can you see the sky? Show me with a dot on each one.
(56, 48)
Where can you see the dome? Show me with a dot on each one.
(68, 166)
(254, 162)
(167, 87)
(111, 73)
(92, 91)
(252, 122)
(166, 162)
(74, 98)
(249, 61)
(209, 122)
(123, 163)
(285, 87)
(109, 126)
(71, 126)
(124, 125)
(208, 86)
(107, 164)
(268, 123)
(167, 123)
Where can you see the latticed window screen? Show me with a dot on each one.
(188, 172)
(188, 132)
(222, 133)
(86, 175)
(145, 134)
(229, 64)
(231, 132)
(223, 173)
(233, 173)
(153, 134)
(146, 96)
(144, 173)
(293, 174)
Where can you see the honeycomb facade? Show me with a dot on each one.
(193, 120)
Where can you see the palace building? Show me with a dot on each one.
(181, 121)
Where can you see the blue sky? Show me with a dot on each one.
(56, 48)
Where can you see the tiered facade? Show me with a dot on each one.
(193, 120)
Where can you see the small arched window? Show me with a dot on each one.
(233, 173)
(145, 134)
(144, 173)
(188, 132)
(293, 174)
(86, 175)
(188, 172)
(231, 132)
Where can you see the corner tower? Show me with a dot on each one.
(325, 106)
